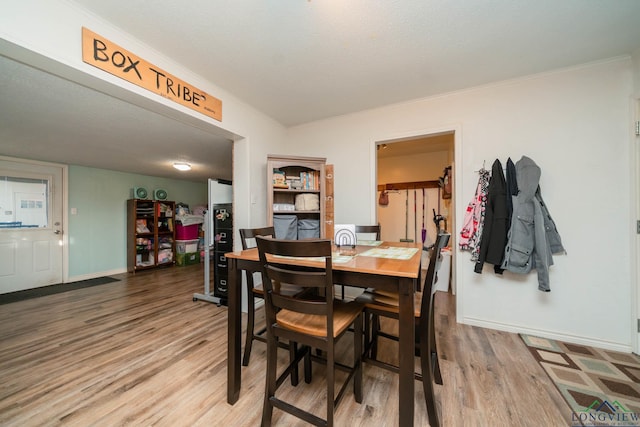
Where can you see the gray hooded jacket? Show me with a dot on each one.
(533, 237)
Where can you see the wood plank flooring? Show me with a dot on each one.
(141, 352)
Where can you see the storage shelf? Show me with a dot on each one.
(290, 190)
(158, 217)
(295, 212)
(311, 170)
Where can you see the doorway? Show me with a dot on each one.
(411, 171)
(31, 224)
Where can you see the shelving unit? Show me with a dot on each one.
(151, 239)
(289, 177)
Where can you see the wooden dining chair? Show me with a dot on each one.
(311, 322)
(247, 238)
(255, 290)
(385, 304)
(369, 229)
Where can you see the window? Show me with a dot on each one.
(24, 202)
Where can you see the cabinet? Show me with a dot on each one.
(150, 234)
(223, 243)
(296, 199)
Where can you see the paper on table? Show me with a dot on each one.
(391, 252)
(369, 242)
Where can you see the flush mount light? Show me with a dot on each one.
(181, 166)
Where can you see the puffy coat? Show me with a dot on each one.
(533, 237)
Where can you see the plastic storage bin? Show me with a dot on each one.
(285, 226)
(308, 229)
(187, 246)
(188, 259)
(186, 232)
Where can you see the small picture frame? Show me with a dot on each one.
(345, 235)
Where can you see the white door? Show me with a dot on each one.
(31, 229)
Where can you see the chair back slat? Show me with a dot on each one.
(301, 306)
(309, 248)
(435, 259)
(302, 278)
(369, 229)
(247, 235)
(275, 272)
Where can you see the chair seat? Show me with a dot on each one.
(386, 301)
(343, 315)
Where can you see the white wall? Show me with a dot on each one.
(47, 34)
(574, 124)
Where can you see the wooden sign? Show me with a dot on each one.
(109, 57)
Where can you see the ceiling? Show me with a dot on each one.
(72, 124)
(414, 146)
(298, 61)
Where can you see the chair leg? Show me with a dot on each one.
(435, 364)
(307, 367)
(251, 316)
(375, 328)
(330, 385)
(429, 363)
(427, 383)
(357, 360)
(437, 375)
(367, 334)
(293, 350)
(270, 383)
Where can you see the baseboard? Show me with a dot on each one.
(591, 342)
(95, 275)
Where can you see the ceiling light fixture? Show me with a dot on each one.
(182, 166)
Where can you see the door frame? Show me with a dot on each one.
(65, 206)
(456, 200)
(635, 245)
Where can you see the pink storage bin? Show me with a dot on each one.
(186, 232)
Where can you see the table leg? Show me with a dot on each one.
(234, 328)
(407, 351)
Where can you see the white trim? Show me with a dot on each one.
(65, 223)
(548, 334)
(634, 246)
(373, 180)
(89, 276)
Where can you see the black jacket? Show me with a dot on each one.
(496, 222)
(512, 187)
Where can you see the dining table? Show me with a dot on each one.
(389, 266)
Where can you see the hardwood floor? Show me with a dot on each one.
(141, 352)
